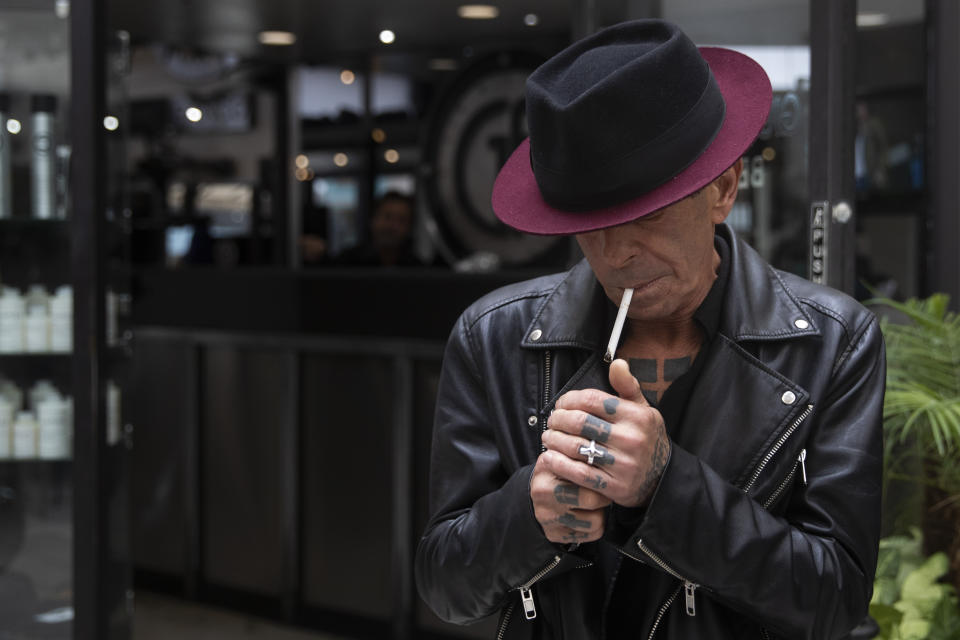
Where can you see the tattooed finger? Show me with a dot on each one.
(572, 521)
(567, 494)
(596, 429)
(610, 406)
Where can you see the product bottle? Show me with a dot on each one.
(37, 322)
(61, 320)
(25, 436)
(6, 182)
(53, 434)
(43, 192)
(12, 309)
(6, 428)
(62, 181)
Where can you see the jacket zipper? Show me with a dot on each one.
(663, 610)
(547, 362)
(800, 464)
(690, 588)
(776, 447)
(506, 620)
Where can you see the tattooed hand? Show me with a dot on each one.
(629, 433)
(566, 512)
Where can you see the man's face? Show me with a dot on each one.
(667, 256)
(391, 224)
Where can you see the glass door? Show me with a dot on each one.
(37, 470)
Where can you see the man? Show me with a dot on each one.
(721, 478)
(391, 236)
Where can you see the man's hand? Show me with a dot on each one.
(566, 512)
(629, 434)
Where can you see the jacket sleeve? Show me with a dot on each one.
(482, 539)
(806, 574)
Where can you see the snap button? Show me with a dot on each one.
(535, 334)
(800, 323)
(532, 421)
(788, 397)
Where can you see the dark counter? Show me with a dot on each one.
(283, 427)
(414, 303)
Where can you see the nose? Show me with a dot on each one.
(617, 247)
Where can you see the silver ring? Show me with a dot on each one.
(591, 451)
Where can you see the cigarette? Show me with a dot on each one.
(618, 325)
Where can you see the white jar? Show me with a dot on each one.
(37, 331)
(53, 433)
(6, 428)
(40, 391)
(61, 320)
(13, 394)
(25, 436)
(12, 310)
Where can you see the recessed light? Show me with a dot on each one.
(347, 76)
(478, 11)
(341, 159)
(277, 38)
(111, 123)
(387, 36)
(378, 135)
(193, 114)
(531, 19)
(391, 155)
(872, 19)
(302, 161)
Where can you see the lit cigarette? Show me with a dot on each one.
(618, 325)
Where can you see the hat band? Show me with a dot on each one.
(641, 170)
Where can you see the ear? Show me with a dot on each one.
(727, 185)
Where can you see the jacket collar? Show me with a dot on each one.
(758, 307)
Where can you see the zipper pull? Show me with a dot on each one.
(803, 465)
(691, 590)
(529, 609)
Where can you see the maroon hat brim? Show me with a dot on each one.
(747, 93)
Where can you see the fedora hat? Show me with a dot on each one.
(625, 122)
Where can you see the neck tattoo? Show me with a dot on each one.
(655, 375)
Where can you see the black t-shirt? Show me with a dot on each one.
(623, 616)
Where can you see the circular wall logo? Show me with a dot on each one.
(480, 121)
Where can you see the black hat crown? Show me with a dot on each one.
(620, 113)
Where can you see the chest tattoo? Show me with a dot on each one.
(656, 375)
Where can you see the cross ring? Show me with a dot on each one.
(590, 451)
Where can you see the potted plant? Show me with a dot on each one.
(921, 471)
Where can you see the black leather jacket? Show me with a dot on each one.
(766, 520)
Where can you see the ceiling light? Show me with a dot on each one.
(341, 159)
(387, 36)
(111, 123)
(872, 19)
(301, 174)
(391, 156)
(193, 114)
(14, 126)
(378, 135)
(531, 19)
(277, 38)
(302, 161)
(347, 76)
(478, 11)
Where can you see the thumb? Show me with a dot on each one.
(624, 383)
